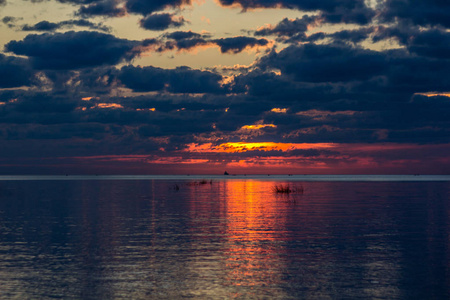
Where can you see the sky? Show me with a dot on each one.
(204, 86)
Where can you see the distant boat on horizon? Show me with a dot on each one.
(225, 173)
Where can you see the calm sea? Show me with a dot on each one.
(171, 237)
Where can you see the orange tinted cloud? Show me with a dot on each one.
(108, 105)
(322, 115)
(258, 126)
(432, 94)
(279, 110)
(146, 109)
(244, 147)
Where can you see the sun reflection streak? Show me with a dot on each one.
(255, 223)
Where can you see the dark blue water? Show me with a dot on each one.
(144, 239)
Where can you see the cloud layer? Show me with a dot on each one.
(370, 82)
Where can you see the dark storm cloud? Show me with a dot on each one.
(355, 12)
(108, 8)
(186, 40)
(45, 103)
(73, 50)
(186, 80)
(308, 5)
(354, 36)
(14, 71)
(51, 26)
(46, 116)
(411, 74)
(326, 63)
(187, 44)
(161, 21)
(86, 82)
(332, 11)
(288, 29)
(183, 35)
(238, 44)
(166, 103)
(27, 107)
(178, 115)
(417, 12)
(96, 81)
(383, 99)
(258, 83)
(42, 26)
(333, 91)
(75, 1)
(10, 21)
(146, 7)
(374, 91)
(179, 80)
(294, 31)
(144, 79)
(119, 8)
(431, 43)
(182, 125)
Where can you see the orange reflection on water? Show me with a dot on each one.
(256, 219)
(246, 222)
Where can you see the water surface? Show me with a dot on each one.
(231, 238)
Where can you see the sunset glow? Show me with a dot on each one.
(225, 149)
(435, 94)
(274, 158)
(256, 127)
(279, 110)
(244, 147)
(197, 86)
(108, 105)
